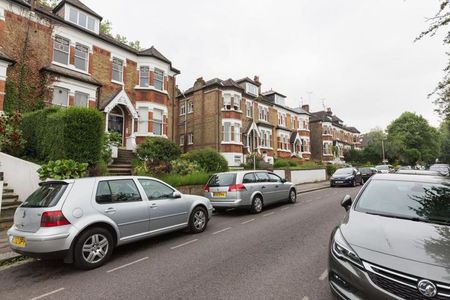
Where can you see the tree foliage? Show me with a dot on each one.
(445, 138)
(442, 91)
(106, 28)
(411, 139)
(372, 152)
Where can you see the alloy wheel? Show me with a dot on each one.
(95, 248)
(199, 219)
(293, 196)
(258, 204)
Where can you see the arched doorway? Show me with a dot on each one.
(116, 121)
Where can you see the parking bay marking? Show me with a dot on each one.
(225, 229)
(248, 221)
(184, 244)
(324, 275)
(269, 214)
(48, 294)
(128, 264)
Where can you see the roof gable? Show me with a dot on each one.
(78, 4)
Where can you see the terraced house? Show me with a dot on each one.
(237, 119)
(135, 89)
(330, 138)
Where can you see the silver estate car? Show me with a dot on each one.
(248, 189)
(82, 220)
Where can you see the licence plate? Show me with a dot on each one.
(19, 241)
(339, 181)
(220, 194)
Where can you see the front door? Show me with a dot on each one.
(121, 201)
(166, 212)
(116, 121)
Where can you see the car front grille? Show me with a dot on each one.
(403, 285)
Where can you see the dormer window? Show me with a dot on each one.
(82, 19)
(279, 100)
(251, 89)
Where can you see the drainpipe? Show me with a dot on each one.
(185, 122)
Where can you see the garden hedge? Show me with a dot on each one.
(73, 133)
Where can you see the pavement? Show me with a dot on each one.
(278, 254)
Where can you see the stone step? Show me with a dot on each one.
(120, 166)
(8, 211)
(5, 184)
(6, 222)
(10, 196)
(8, 191)
(9, 202)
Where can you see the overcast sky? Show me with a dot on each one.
(357, 56)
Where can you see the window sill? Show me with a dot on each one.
(232, 143)
(117, 82)
(70, 67)
(149, 134)
(226, 110)
(150, 88)
(284, 150)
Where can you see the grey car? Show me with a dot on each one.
(248, 189)
(394, 241)
(83, 220)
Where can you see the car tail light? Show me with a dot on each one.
(53, 218)
(237, 187)
(206, 188)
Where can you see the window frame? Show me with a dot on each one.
(158, 122)
(111, 193)
(83, 94)
(162, 197)
(144, 74)
(61, 41)
(115, 68)
(159, 78)
(53, 97)
(143, 129)
(86, 59)
(190, 138)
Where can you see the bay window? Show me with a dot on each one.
(227, 132)
(227, 101)
(237, 133)
(159, 79)
(144, 76)
(143, 120)
(157, 122)
(60, 96)
(117, 70)
(81, 99)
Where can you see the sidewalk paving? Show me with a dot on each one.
(309, 187)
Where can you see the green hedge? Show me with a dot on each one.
(73, 133)
(208, 159)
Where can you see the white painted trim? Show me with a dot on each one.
(234, 121)
(122, 98)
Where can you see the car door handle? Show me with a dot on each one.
(263, 187)
(110, 210)
(153, 205)
(277, 186)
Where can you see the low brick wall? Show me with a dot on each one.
(191, 189)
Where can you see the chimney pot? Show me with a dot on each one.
(305, 107)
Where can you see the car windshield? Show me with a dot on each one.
(383, 167)
(345, 171)
(224, 179)
(47, 195)
(365, 170)
(419, 201)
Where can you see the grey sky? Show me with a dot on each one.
(358, 55)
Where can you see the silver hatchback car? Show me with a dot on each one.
(248, 189)
(82, 220)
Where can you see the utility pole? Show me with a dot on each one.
(382, 148)
(185, 122)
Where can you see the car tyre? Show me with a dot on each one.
(93, 248)
(362, 181)
(198, 220)
(292, 196)
(331, 184)
(354, 183)
(257, 205)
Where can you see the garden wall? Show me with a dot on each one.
(302, 176)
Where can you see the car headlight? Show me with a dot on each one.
(342, 250)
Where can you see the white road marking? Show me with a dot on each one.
(269, 214)
(225, 229)
(128, 264)
(184, 244)
(324, 275)
(305, 298)
(248, 221)
(48, 294)
(284, 208)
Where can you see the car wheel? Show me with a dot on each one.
(354, 182)
(198, 220)
(331, 184)
(93, 248)
(257, 205)
(292, 196)
(362, 181)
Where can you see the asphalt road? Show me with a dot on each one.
(278, 254)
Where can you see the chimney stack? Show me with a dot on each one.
(199, 83)
(305, 107)
(329, 112)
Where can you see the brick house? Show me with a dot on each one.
(328, 132)
(135, 89)
(236, 119)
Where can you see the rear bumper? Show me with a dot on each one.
(228, 203)
(41, 244)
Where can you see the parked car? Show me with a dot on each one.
(248, 189)
(405, 168)
(346, 176)
(83, 220)
(444, 169)
(367, 172)
(384, 169)
(393, 243)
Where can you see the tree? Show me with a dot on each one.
(372, 152)
(48, 3)
(106, 28)
(411, 139)
(445, 138)
(442, 91)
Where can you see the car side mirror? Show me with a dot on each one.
(283, 180)
(176, 195)
(347, 202)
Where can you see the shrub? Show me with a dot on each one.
(106, 151)
(281, 163)
(331, 169)
(184, 167)
(157, 149)
(250, 163)
(63, 169)
(100, 169)
(73, 133)
(197, 178)
(208, 159)
(115, 138)
(11, 138)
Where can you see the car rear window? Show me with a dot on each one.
(225, 179)
(47, 195)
